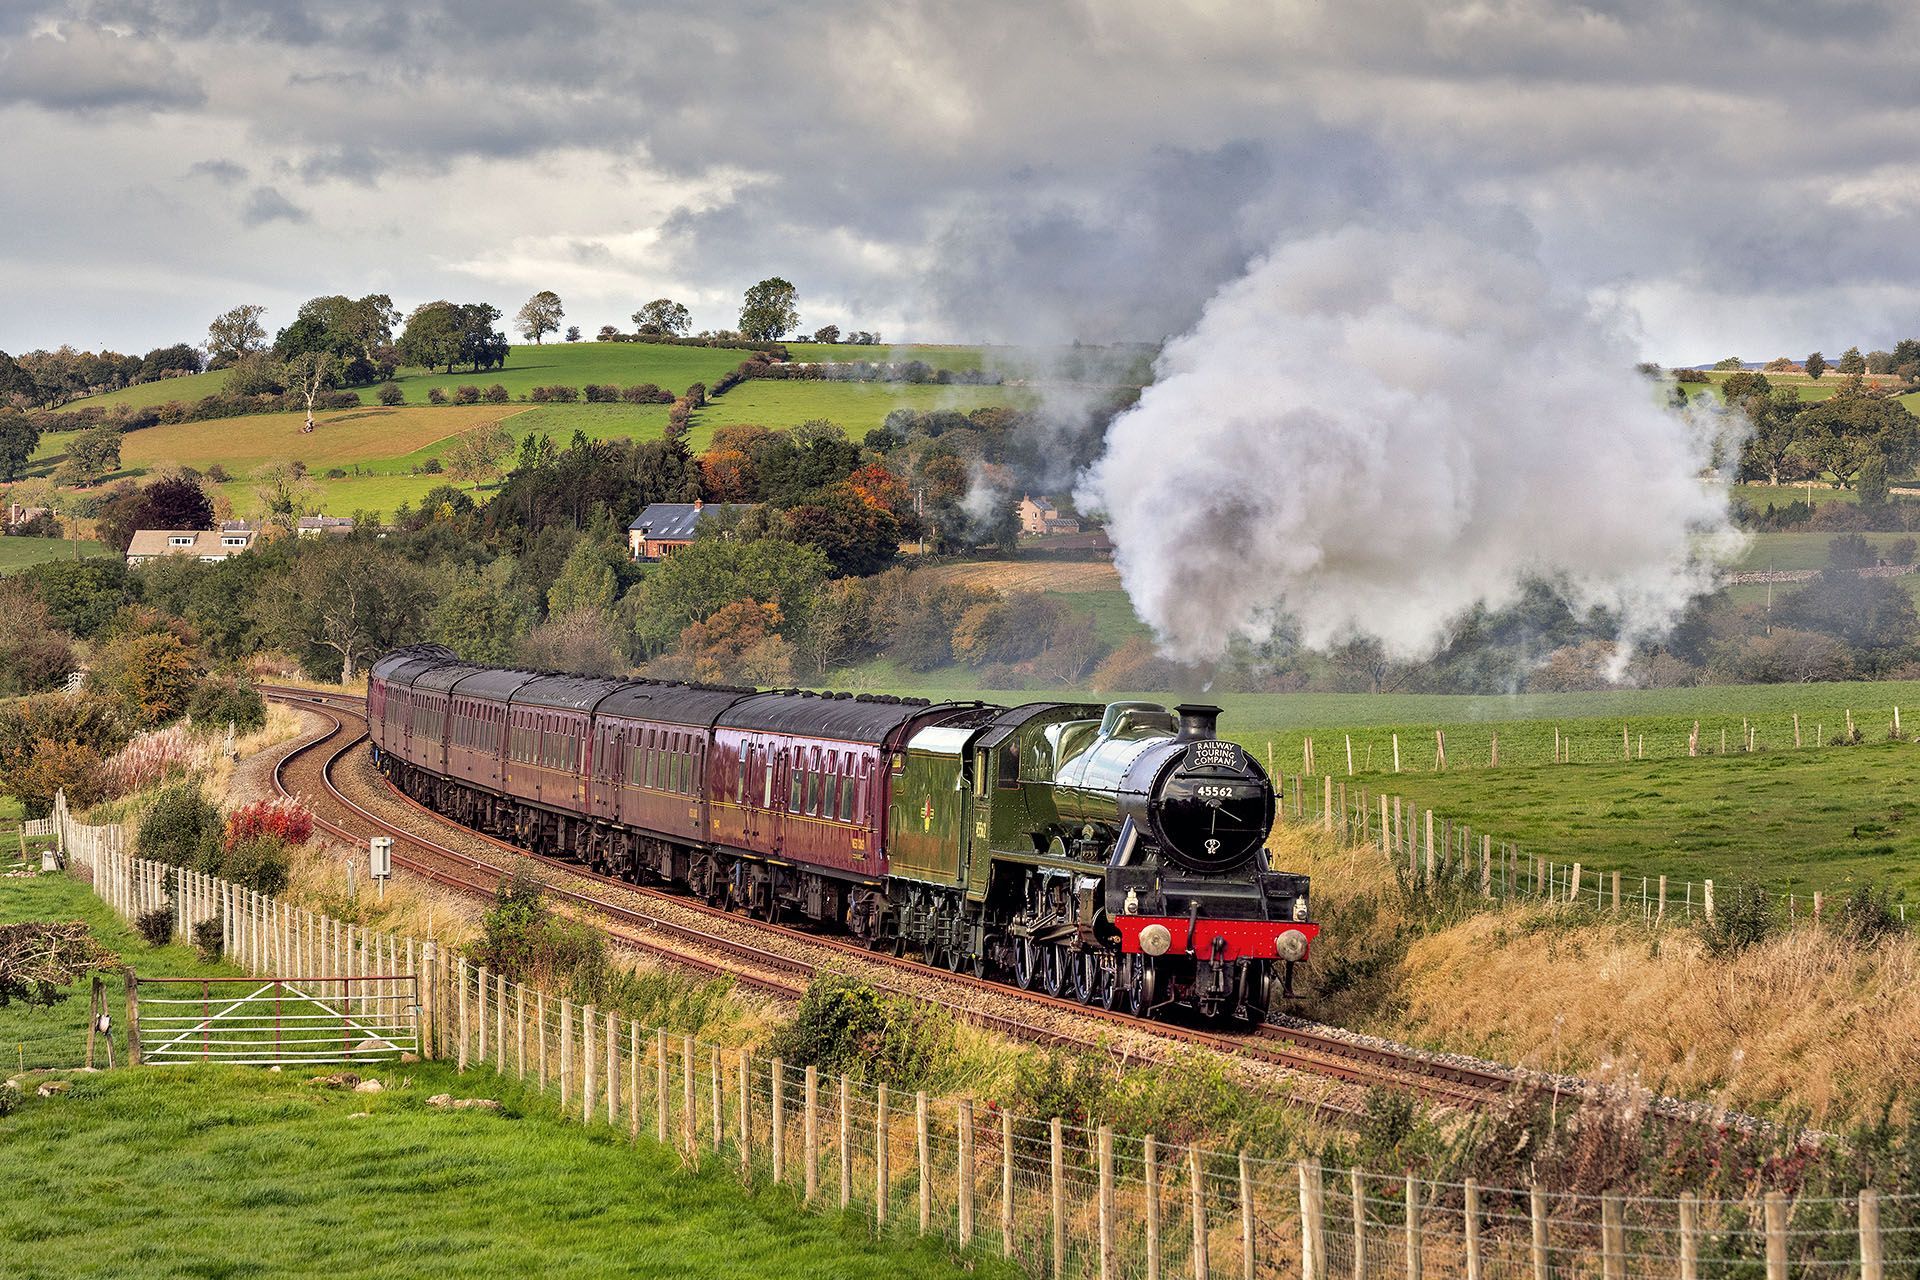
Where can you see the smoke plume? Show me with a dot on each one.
(1373, 430)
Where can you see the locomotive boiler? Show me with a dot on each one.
(1111, 854)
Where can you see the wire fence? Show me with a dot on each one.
(1059, 1199)
(1432, 851)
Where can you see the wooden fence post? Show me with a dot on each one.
(963, 1183)
(778, 1074)
(719, 1123)
(689, 1123)
(1197, 1211)
(1872, 1267)
(460, 982)
(1415, 1258)
(613, 1070)
(1313, 1240)
(1613, 1248)
(587, 1094)
(811, 1134)
(660, 1096)
(480, 987)
(881, 1178)
(540, 1033)
(499, 1017)
(633, 1079)
(566, 1051)
(1776, 1235)
(923, 1158)
(1150, 1173)
(1246, 1218)
(1358, 1192)
(1537, 1209)
(846, 1144)
(1057, 1167)
(1690, 1236)
(1006, 1184)
(1472, 1228)
(1103, 1150)
(133, 1018)
(746, 1115)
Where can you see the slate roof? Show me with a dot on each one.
(675, 521)
(148, 544)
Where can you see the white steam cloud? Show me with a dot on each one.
(1373, 430)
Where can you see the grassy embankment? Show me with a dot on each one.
(359, 1184)
(382, 449)
(19, 553)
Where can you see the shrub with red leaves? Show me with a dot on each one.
(281, 818)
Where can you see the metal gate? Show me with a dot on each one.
(272, 1022)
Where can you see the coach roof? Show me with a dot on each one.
(566, 693)
(668, 702)
(866, 718)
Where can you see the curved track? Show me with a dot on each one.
(308, 770)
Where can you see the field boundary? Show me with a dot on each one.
(1057, 1198)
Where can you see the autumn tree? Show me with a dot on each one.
(539, 316)
(479, 453)
(663, 316)
(151, 674)
(739, 643)
(285, 493)
(770, 310)
(35, 654)
(235, 334)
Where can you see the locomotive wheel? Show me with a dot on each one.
(1026, 964)
(1143, 985)
(1259, 996)
(1059, 971)
(1110, 986)
(979, 964)
(1086, 976)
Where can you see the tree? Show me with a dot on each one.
(235, 333)
(173, 503)
(479, 452)
(665, 317)
(857, 536)
(584, 640)
(573, 333)
(713, 572)
(770, 310)
(840, 626)
(739, 643)
(444, 334)
(166, 362)
(1851, 362)
(1879, 362)
(1728, 364)
(19, 437)
(151, 674)
(34, 653)
(1816, 365)
(827, 333)
(1841, 434)
(539, 316)
(344, 599)
(285, 492)
(92, 456)
(309, 374)
(586, 581)
(82, 595)
(481, 617)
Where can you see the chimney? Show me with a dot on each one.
(1197, 720)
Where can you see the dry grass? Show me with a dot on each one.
(1804, 1022)
(1033, 575)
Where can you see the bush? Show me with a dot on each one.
(336, 473)
(436, 396)
(600, 392)
(1850, 551)
(209, 938)
(9, 1098)
(844, 1026)
(431, 467)
(1869, 916)
(1742, 916)
(181, 829)
(156, 926)
(282, 818)
(390, 393)
(554, 395)
(261, 864)
(1901, 551)
(224, 700)
(496, 394)
(217, 474)
(466, 395)
(646, 393)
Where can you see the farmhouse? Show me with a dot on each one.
(314, 526)
(1038, 515)
(665, 527)
(18, 515)
(210, 546)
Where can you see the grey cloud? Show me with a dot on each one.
(266, 204)
(83, 68)
(224, 172)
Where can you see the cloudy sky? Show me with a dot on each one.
(1730, 176)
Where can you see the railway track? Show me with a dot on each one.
(1300, 1047)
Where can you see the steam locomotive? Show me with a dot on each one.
(1111, 854)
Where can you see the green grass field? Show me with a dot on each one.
(857, 407)
(198, 1171)
(572, 364)
(18, 553)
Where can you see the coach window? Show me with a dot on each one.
(766, 796)
(699, 765)
(817, 785)
(797, 781)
